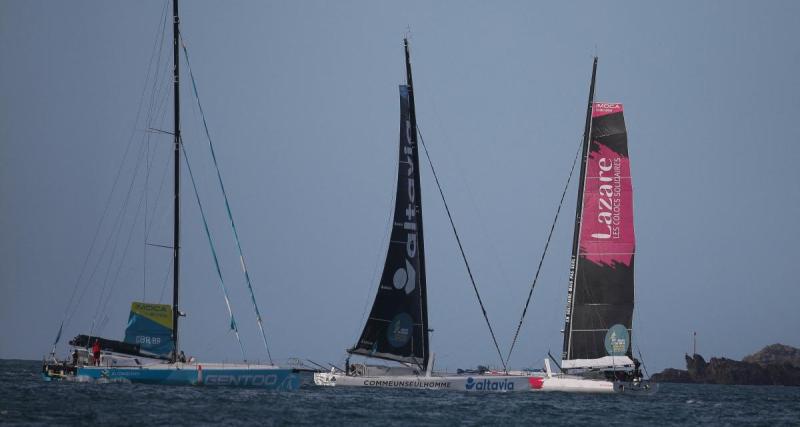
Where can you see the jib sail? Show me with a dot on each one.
(150, 327)
(599, 316)
(397, 327)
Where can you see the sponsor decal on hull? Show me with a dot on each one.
(489, 385)
(407, 383)
(241, 380)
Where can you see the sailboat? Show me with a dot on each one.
(597, 351)
(150, 352)
(597, 354)
(397, 328)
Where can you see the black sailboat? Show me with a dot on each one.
(397, 326)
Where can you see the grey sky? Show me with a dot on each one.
(302, 102)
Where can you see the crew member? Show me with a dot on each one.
(96, 352)
(637, 373)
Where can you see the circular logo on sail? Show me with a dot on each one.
(399, 331)
(617, 340)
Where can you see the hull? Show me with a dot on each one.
(231, 375)
(433, 382)
(475, 383)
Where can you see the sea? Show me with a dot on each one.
(25, 399)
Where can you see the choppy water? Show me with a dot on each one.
(26, 399)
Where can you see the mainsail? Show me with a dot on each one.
(397, 327)
(599, 316)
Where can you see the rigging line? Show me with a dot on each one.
(227, 205)
(144, 225)
(638, 339)
(460, 247)
(482, 229)
(69, 309)
(641, 359)
(544, 252)
(116, 235)
(233, 324)
(102, 312)
(157, 201)
(380, 255)
(154, 94)
(66, 317)
(166, 280)
(108, 240)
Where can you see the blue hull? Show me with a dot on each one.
(268, 379)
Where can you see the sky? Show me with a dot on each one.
(301, 101)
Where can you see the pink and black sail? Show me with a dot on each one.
(397, 327)
(600, 300)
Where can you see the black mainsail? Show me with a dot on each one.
(600, 297)
(397, 326)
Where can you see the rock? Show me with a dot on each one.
(696, 367)
(775, 354)
(672, 375)
(776, 364)
(726, 371)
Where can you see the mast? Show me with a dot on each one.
(573, 265)
(177, 179)
(421, 242)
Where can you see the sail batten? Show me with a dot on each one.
(599, 319)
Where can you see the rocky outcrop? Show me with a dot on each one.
(775, 354)
(774, 365)
(672, 375)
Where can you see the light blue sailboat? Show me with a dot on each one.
(150, 351)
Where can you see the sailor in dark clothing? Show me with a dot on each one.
(637, 373)
(182, 357)
(75, 357)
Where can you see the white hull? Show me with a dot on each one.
(471, 383)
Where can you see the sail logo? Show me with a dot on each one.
(605, 107)
(489, 385)
(616, 340)
(144, 339)
(410, 224)
(609, 202)
(405, 278)
(399, 331)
